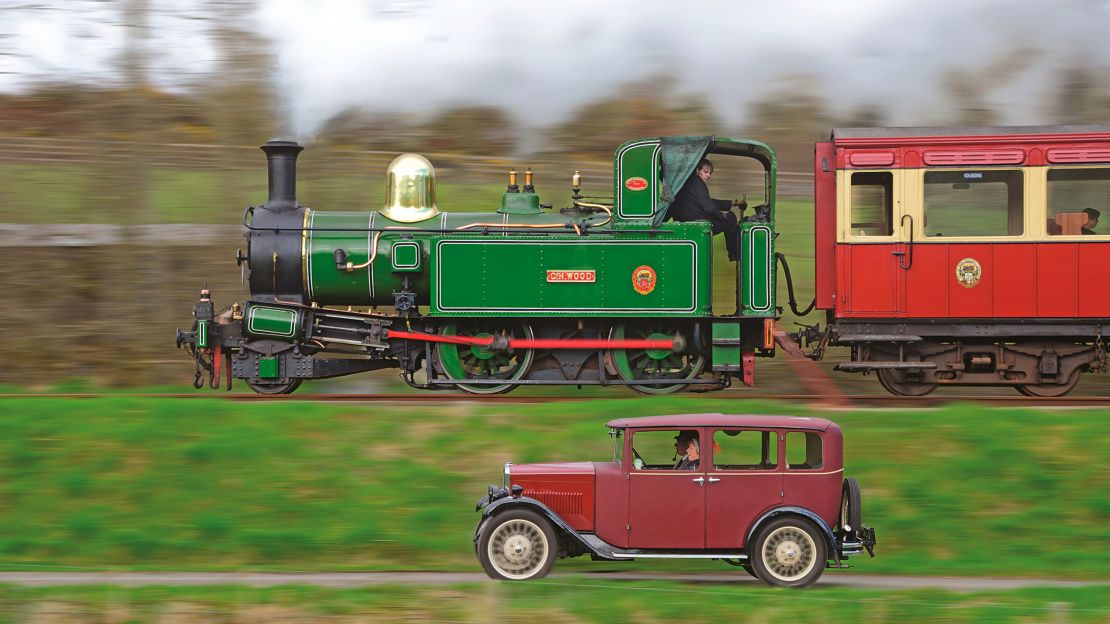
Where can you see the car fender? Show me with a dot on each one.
(514, 502)
(767, 516)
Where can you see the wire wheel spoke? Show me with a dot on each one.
(517, 548)
(789, 553)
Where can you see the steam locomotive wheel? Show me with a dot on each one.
(896, 383)
(1049, 391)
(465, 362)
(275, 388)
(654, 364)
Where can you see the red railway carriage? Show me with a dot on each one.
(965, 256)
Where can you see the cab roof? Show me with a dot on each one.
(722, 420)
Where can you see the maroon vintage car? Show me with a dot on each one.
(766, 493)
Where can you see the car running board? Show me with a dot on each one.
(603, 549)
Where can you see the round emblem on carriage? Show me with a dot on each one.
(968, 272)
(635, 184)
(643, 279)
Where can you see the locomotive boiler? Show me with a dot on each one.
(604, 291)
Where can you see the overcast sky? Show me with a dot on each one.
(543, 59)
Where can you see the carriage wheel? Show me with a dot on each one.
(463, 362)
(286, 387)
(654, 364)
(895, 382)
(1047, 390)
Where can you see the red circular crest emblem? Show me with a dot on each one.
(643, 279)
(635, 184)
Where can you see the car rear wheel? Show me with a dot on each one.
(517, 545)
(789, 552)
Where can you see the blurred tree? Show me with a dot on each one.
(969, 97)
(639, 109)
(790, 117)
(240, 99)
(1080, 96)
(479, 130)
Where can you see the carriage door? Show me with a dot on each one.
(872, 255)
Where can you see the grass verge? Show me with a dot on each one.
(136, 483)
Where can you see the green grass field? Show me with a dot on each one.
(563, 601)
(131, 483)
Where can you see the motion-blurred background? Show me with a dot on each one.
(130, 128)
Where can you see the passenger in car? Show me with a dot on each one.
(686, 445)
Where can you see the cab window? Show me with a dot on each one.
(1076, 199)
(735, 449)
(657, 450)
(981, 202)
(872, 203)
(803, 451)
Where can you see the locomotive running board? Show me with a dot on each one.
(606, 550)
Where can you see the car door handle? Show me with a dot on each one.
(713, 480)
(700, 481)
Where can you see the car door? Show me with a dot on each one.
(743, 480)
(666, 506)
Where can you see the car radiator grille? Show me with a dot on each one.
(563, 503)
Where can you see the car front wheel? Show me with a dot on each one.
(789, 552)
(517, 545)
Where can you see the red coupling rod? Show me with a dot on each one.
(540, 343)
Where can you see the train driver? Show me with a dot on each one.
(693, 203)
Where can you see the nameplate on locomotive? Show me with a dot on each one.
(572, 276)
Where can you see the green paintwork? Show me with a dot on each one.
(509, 277)
(202, 334)
(726, 346)
(520, 203)
(406, 256)
(269, 367)
(374, 285)
(487, 278)
(636, 160)
(757, 277)
(325, 284)
(272, 322)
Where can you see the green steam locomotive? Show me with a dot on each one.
(605, 291)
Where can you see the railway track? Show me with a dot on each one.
(837, 401)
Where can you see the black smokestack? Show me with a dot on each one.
(281, 158)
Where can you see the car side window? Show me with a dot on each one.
(737, 449)
(655, 450)
(804, 451)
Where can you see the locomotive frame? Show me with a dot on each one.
(594, 294)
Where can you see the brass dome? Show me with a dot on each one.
(410, 189)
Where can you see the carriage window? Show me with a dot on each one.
(745, 450)
(803, 450)
(987, 202)
(1076, 199)
(872, 203)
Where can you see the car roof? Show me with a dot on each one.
(722, 420)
